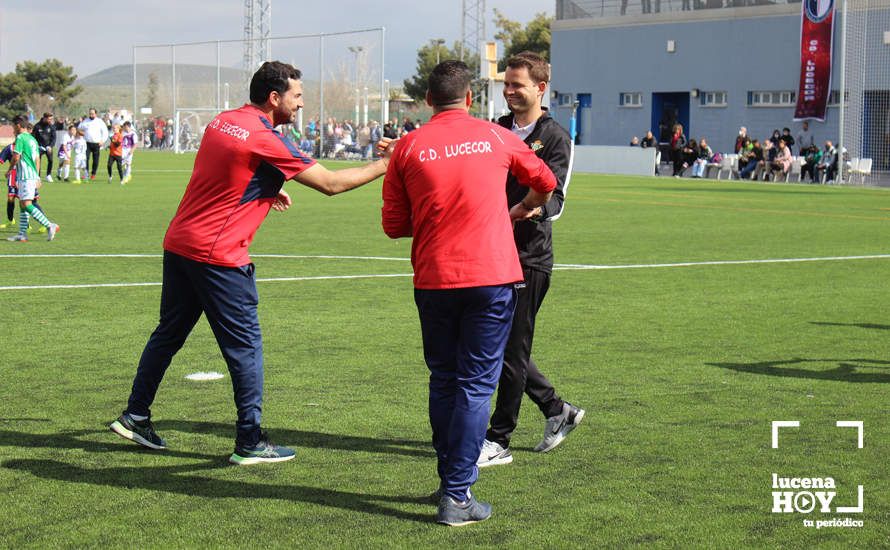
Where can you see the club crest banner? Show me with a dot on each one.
(816, 37)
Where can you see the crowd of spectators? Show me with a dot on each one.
(344, 139)
(770, 159)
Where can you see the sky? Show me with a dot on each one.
(96, 34)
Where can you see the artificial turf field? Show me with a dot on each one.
(681, 370)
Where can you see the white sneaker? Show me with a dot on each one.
(558, 427)
(51, 231)
(493, 454)
(49, 178)
(18, 237)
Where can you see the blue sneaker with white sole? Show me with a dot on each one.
(263, 451)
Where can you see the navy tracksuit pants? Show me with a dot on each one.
(228, 297)
(464, 333)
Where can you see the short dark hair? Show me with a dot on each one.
(449, 82)
(20, 120)
(538, 68)
(45, 115)
(271, 76)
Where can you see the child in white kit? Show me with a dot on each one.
(80, 156)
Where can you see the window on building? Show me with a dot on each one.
(834, 97)
(771, 99)
(565, 100)
(630, 99)
(713, 99)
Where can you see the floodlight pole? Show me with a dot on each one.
(843, 82)
(134, 86)
(384, 89)
(175, 115)
(321, 118)
(217, 76)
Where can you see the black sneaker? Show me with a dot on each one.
(264, 451)
(455, 514)
(141, 431)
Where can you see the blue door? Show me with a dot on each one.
(669, 108)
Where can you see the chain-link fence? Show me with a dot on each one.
(342, 81)
(866, 81)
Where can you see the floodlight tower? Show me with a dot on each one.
(472, 28)
(257, 30)
(472, 35)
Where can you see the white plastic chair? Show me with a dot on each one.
(725, 164)
(795, 170)
(862, 168)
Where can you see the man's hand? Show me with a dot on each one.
(385, 147)
(519, 212)
(282, 201)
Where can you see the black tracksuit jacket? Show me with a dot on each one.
(534, 237)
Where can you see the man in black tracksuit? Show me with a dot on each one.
(45, 134)
(525, 83)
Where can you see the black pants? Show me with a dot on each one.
(49, 160)
(93, 152)
(677, 159)
(520, 374)
(112, 159)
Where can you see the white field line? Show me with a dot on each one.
(267, 280)
(286, 256)
(724, 262)
(391, 275)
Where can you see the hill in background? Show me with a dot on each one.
(112, 88)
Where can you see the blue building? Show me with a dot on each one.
(638, 65)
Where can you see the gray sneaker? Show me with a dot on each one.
(455, 514)
(558, 427)
(493, 454)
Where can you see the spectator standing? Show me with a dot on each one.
(740, 139)
(45, 134)
(95, 133)
(805, 138)
(788, 139)
(678, 144)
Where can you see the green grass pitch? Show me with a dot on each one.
(681, 370)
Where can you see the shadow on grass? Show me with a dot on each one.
(857, 325)
(847, 370)
(314, 440)
(175, 479)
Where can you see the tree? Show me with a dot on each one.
(535, 37)
(153, 85)
(14, 94)
(36, 84)
(49, 78)
(415, 87)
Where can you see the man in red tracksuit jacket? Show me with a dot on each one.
(445, 188)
